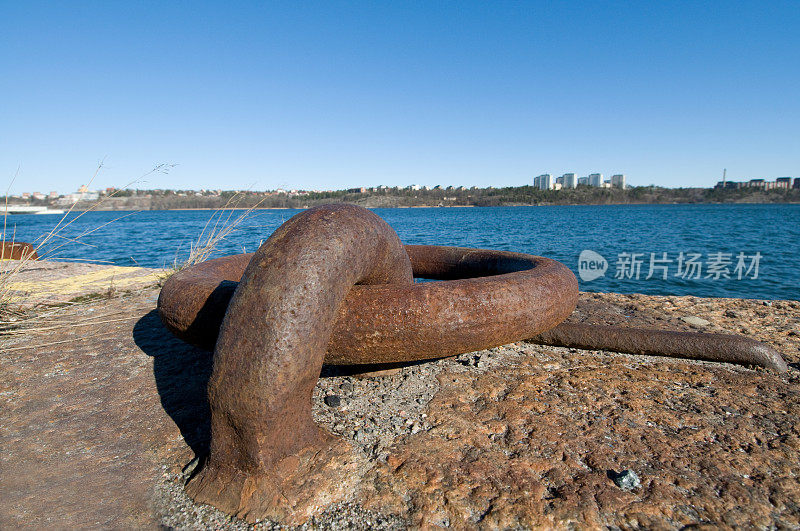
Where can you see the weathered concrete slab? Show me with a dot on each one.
(85, 430)
(50, 282)
(102, 408)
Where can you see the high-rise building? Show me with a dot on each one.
(583, 181)
(569, 180)
(595, 179)
(783, 182)
(543, 182)
(618, 181)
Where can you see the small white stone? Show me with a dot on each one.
(695, 321)
(627, 480)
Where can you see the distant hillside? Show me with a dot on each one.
(400, 197)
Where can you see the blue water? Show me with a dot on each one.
(160, 238)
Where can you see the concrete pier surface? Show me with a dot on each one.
(104, 412)
(51, 282)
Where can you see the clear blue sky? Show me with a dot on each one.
(333, 95)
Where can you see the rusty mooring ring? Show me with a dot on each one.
(193, 303)
(490, 298)
(17, 251)
(335, 283)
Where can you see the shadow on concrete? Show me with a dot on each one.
(181, 373)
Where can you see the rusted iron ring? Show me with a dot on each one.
(489, 298)
(17, 251)
(334, 283)
(194, 301)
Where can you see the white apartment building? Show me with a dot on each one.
(543, 182)
(569, 180)
(86, 195)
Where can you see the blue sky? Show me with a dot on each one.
(332, 95)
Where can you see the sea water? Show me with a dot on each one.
(731, 250)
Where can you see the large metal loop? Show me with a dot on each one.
(334, 283)
(490, 298)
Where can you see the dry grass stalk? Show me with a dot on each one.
(59, 324)
(97, 335)
(217, 229)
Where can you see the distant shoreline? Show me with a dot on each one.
(432, 198)
(243, 209)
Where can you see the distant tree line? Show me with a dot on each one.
(450, 196)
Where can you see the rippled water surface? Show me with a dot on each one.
(762, 240)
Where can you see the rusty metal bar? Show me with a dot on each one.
(728, 348)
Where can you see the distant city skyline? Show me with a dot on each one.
(571, 180)
(339, 95)
(544, 181)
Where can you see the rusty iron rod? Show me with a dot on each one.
(728, 348)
